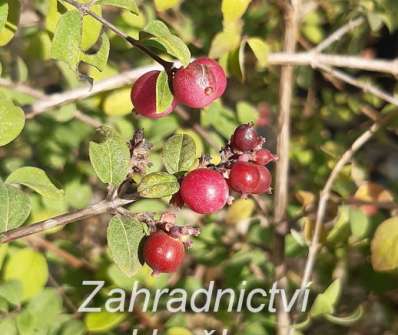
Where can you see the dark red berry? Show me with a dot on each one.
(264, 156)
(143, 96)
(245, 138)
(264, 184)
(204, 190)
(200, 83)
(163, 253)
(244, 177)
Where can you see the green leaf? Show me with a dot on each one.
(37, 180)
(124, 236)
(346, 320)
(73, 327)
(158, 185)
(179, 153)
(14, 207)
(103, 321)
(67, 39)
(360, 223)
(8, 30)
(3, 13)
(260, 49)
(12, 120)
(110, 159)
(163, 5)
(164, 97)
(384, 251)
(126, 4)
(233, 10)
(100, 58)
(223, 43)
(326, 301)
(172, 44)
(30, 269)
(11, 291)
(8, 326)
(246, 112)
(91, 29)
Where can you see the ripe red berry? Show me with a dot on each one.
(163, 253)
(264, 156)
(245, 138)
(204, 190)
(200, 83)
(264, 184)
(244, 177)
(143, 96)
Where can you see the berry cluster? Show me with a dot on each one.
(206, 190)
(195, 86)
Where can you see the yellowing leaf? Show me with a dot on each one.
(233, 10)
(102, 321)
(12, 120)
(91, 29)
(162, 5)
(223, 43)
(260, 49)
(118, 102)
(30, 269)
(384, 251)
(240, 209)
(11, 25)
(305, 198)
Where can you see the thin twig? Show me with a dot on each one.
(64, 219)
(325, 195)
(292, 15)
(87, 119)
(21, 88)
(60, 99)
(347, 61)
(366, 87)
(85, 9)
(339, 33)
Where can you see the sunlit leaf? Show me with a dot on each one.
(179, 153)
(12, 120)
(158, 185)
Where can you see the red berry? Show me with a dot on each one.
(204, 190)
(264, 156)
(245, 138)
(244, 177)
(143, 96)
(264, 184)
(200, 83)
(163, 253)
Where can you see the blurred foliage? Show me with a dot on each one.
(47, 45)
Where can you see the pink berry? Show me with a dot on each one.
(200, 83)
(143, 96)
(163, 253)
(264, 156)
(244, 177)
(245, 138)
(204, 190)
(264, 183)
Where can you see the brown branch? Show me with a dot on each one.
(62, 220)
(292, 14)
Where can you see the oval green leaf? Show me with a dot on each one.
(158, 185)
(15, 207)
(12, 120)
(110, 159)
(37, 180)
(179, 153)
(124, 236)
(164, 97)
